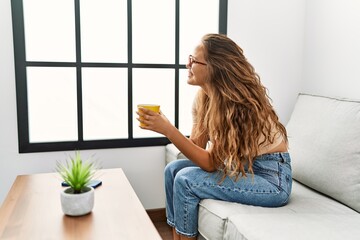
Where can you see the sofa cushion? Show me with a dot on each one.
(324, 143)
(293, 226)
(226, 220)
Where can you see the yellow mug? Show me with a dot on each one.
(152, 107)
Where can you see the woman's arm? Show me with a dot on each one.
(194, 149)
(190, 148)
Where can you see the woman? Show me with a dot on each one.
(246, 161)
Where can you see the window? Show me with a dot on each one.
(83, 66)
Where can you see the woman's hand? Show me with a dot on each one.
(154, 121)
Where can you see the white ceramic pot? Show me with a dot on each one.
(77, 204)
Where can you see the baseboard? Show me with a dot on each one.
(157, 215)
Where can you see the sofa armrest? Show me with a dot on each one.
(172, 153)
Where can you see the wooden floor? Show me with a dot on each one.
(164, 229)
(158, 217)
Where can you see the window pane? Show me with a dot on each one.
(51, 77)
(105, 111)
(153, 31)
(52, 104)
(153, 86)
(49, 33)
(104, 31)
(194, 24)
(186, 97)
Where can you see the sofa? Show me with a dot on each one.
(324, 144)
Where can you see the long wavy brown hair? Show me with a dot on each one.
(235, 112)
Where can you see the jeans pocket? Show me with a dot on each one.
(268, 170)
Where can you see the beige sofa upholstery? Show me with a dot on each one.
(324, 143)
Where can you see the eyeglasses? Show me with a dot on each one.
(192, 61)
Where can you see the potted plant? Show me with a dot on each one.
(78, 198)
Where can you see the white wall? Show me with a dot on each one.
(271, 33)
(332, 48)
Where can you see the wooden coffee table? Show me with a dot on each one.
(32, 210)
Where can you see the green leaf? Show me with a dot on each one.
(76, 172)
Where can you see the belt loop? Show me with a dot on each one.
(283, 159)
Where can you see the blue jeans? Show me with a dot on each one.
(186, 184)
